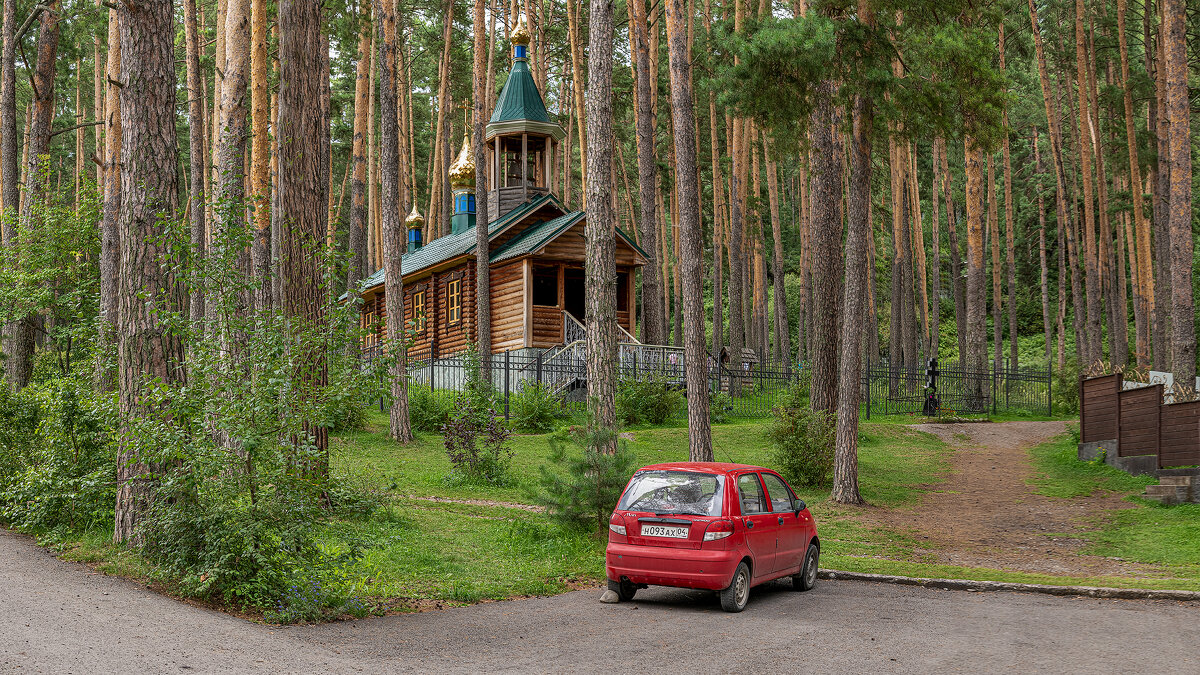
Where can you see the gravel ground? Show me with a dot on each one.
(58, 617)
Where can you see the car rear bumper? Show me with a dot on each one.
(661, 566)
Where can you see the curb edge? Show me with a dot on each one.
(1010, 587)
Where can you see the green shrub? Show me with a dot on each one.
(59, 473)
(720, 408)
(802, 440)
(583, 491)
(651, 401)
(534, 408)
(429, 410)
(476, 441)
(1066, 388)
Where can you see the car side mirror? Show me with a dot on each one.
(799, 506)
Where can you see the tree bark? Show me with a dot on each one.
(653, 322)
(1009, 232)
(1143, 279)
(483, 298)
(939, 148)
(573, 31)
(975, 296)
(230, 192)
(1045, 277)
(1157, 121)
(845, 463)
(691, 238)
(10, 192)
(827, 257)
(260, 177)
(390, 222)
(1183, 329)
(358, 181)
(147, 348)
(601, 272)
(303, 181)
(993, 228)
(782, 337)
(957, 282)
(1093, 351)
(196, 149)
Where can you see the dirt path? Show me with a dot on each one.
(986, 514)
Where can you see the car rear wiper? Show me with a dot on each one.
(680, 513)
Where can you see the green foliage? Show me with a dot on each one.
(56, 461)
(802, 440)
(650, 401)
(429, 410)
(476, 438)
(583, 488)
(534, 408)
(720, 408)
(1066, 389)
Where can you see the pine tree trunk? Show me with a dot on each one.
(784, 351)
(1009, 232)
(939, 147)
(390, 221)
(976, 295)
(1143, 280)
(577, 89)
(358, 183)
(19, 355)
(483, 297)
(993, 229)
(1157, 121)
(260, 178)
(196, 145)
(600, 281)
(691, 238)
(957, 281)
(229, 192)
(653, 322)
(918, 249)
(827, 265)
(10, 173)
(1091, 253)
(1183, 329)
(303, 181)
(147, 348)
(1041, 206)
(845, 464)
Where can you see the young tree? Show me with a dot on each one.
(390, 223)
(691, 238)
(600, 287)
(147, 349)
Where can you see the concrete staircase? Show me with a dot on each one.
(1175, 486)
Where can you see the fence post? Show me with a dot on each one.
(538, 368)
(506, 371)
(867, 380)
(635, 365)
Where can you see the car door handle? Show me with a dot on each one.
(780, 520)
(749, 523)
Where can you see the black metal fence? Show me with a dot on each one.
(750, 391)
(961, 390)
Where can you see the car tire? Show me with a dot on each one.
(735, 597)
(624, 589)
(807, 578)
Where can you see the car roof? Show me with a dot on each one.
(703, 467)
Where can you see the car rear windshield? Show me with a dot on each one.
(674, 492)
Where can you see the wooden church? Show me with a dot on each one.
(535, 243)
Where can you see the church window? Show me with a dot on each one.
(454, 301)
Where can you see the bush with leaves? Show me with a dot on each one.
(429, 409)
(650, 401)
(802, 439)
(476, 438)
(1066, 389)
(586, 483)
(720, 408)
(56, 462)
(534, 408)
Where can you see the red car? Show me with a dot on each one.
(716, 526)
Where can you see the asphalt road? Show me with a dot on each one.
(58, 617)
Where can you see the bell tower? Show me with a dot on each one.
(462, 183)
(522, 140)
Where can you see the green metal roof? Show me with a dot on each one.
(536, 236)
(444, 248)
(520, 98)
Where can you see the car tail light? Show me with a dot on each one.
(718, 529)
(616, 524)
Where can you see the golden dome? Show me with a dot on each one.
(414, 219)
(520, 34)
(462, 171)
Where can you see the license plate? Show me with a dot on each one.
(664, 531)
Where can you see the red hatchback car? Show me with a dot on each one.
(716, 526)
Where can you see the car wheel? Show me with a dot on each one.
(624, 589)
(807, 578)
(734, 598)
